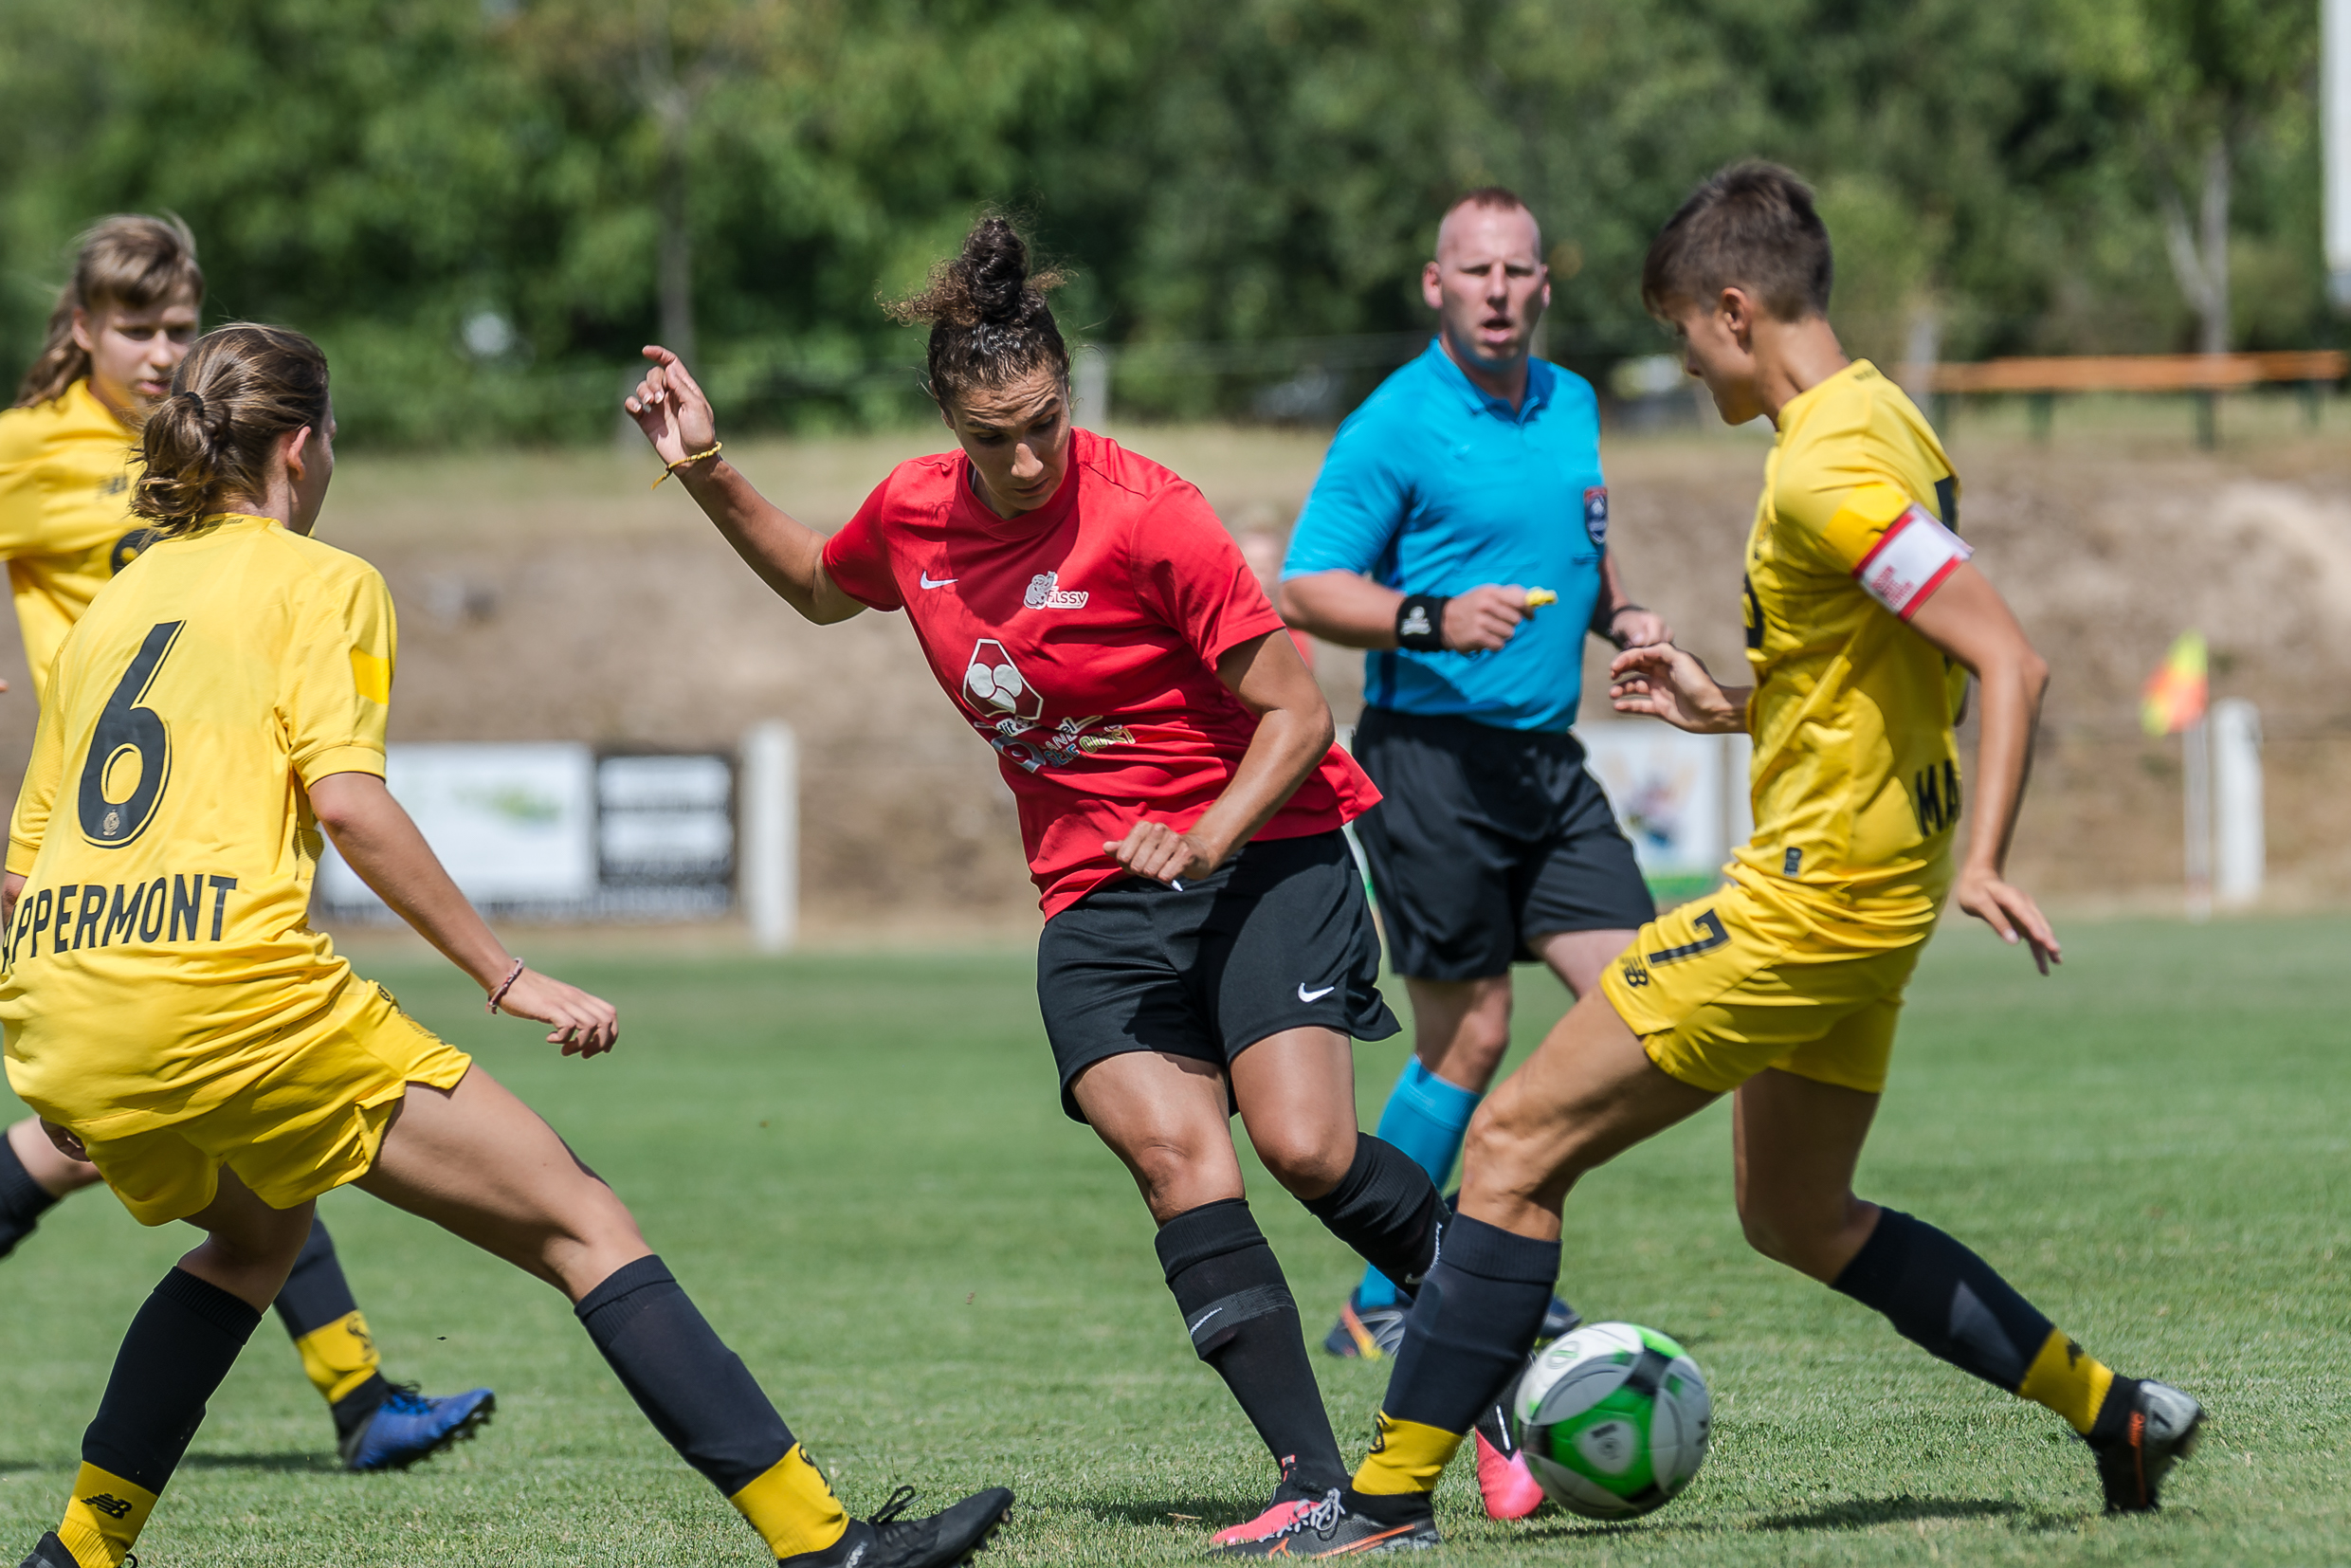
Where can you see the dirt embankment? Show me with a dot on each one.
(551, 597)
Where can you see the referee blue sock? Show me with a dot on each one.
(1427, 1118)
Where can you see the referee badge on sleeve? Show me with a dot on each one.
(1595, 514)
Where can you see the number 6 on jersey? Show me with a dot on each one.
(128, 733)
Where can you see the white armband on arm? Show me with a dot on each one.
(1910, 560)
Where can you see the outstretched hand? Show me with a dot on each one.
(2010, 911)
(670, 408)
(585, 1025)
(1665, 682)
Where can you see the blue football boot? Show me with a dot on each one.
(409, 1426)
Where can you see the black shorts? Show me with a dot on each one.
(1276, 937)
(1484, 838)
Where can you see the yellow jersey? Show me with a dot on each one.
(66, 467)
(1856, 779)
(161, 958)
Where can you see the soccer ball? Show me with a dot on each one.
(1612, 1420)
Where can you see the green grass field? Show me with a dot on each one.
(858, 1166)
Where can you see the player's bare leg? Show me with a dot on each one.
(1795, 1142)
(34, 1173)
(1587, 1094)
(479, 1162)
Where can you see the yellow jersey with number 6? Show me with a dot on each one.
(65, 525)
(1856, 780)
(161, 959)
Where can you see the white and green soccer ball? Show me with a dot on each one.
(1612, 1420)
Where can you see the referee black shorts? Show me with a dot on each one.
(1278, 938)
(1485, 839)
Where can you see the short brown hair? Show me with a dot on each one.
(209, 444)
(1751, 225)
(129, 260)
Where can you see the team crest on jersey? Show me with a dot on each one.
(1012, 713)
(1046, 592)
(995, 687)
(1596, 513)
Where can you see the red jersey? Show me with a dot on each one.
(1080, 641)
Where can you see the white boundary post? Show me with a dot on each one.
(2196, 755)
(769, 875)
(1090, 387)
(2240, 848)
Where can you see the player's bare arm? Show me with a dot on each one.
(675, 414)
(1968, 620)
(376, 835)
(1664, 681)
(1353, 611)
(1294, 733)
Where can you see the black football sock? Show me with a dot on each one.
(1387, 1209)
(699, 1395)
(179, 1347)
(1238, 1309)
(22, 1201)
(339, 1352)
(1939, 1295)
(1470, 1328)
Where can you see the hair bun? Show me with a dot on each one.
(997, 263)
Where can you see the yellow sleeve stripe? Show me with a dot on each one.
(372, 674)
(1865, 515)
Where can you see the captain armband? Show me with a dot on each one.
(1420, 623)
(1910, 560)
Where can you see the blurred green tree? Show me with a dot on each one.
(484, 207)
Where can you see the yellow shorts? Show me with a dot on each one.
(1726, 986)
(309, 1125)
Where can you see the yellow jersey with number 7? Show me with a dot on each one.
(1856, 778)
(161, 959)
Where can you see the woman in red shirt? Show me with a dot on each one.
(1208, 946)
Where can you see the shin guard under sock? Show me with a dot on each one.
(1475, 1319)
(338, 1354)
(1945, 1298)
(179, 1347)
(699, 1395)
(1427, 1116)
(22, 1201)
(1243, 1321)
(1387, 1209)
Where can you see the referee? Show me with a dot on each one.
(1461, 494)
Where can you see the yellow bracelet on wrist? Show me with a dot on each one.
(688, 461)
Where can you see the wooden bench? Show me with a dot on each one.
(2203, 375)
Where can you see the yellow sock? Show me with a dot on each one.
(1406, 1457)
(793, 1507)
(339, 1356)
(2067, 1380)
(104, 1518)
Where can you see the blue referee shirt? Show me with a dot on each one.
(1433, 488)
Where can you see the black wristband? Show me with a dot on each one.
(1420, 623)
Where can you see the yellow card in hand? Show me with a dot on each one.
(1538, 597)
